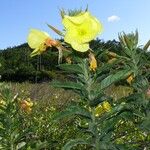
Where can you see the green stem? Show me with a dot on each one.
(96, 137)
(88, 85)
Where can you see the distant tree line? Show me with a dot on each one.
(17, 65)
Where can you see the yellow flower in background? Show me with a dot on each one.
(102, 108)
(36, 40)
(80, 30)
(130, 79)
(99, 110)
(106, 106)
(2, 102)
(93, 62)
(26, 105)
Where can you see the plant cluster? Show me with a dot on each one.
(98, 120)
(100, 116)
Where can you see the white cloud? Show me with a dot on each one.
(113, 18)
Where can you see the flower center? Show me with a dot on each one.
(82, 32)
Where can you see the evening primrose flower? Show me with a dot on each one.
(39, 41)
(36, 40)
(80, 30)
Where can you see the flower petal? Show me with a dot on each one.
(36, 38)
(80, 47)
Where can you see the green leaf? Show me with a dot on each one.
(55, 30)
(107, 66)
(21, 145)
(41, 145)
(146, 46)
(114, 78)
(136, 38)
(145, 125)
(73, 143)
(73, 110)
(67, 85)
(71, 68)
(128, 42)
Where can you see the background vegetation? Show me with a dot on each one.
(17, 65)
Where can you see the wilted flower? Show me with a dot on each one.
(81, 29)
(130, 79)
(92, 61)
(26, 105)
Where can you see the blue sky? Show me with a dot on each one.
(18, 16)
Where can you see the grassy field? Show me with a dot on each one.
(39, 130)
(43, 92)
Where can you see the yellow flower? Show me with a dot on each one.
(99, 110)
(37, 41)
(26, 105)
(80, 30)
(102, 108)
(93, 62)
(130, 79)
(106, 106)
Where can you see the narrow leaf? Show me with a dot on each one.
(146, 46)
(73, 143)
(72, 110)
(71, 68)
(67, 85)
(55, 30)
(114, 78)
